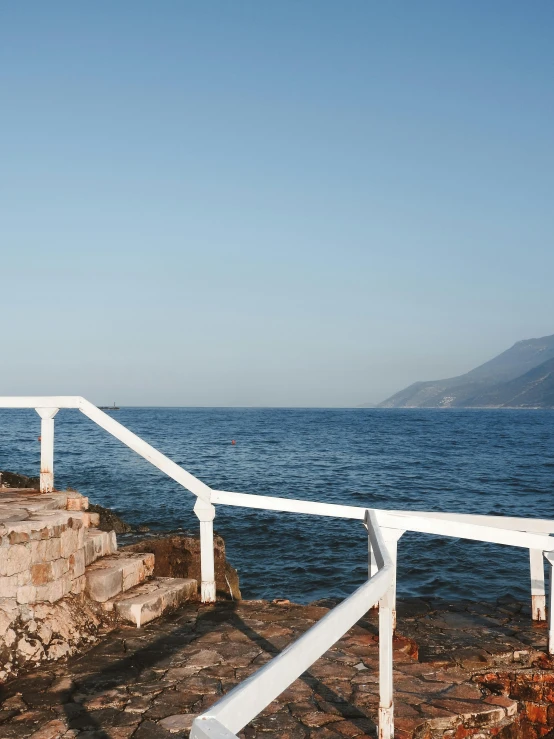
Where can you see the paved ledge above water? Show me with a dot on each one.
(461, 670)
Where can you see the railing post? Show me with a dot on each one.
(392, 546)
(46, 448)
(538, 597)
(206, 514)
(550, 559)
(386, 708)
(390, 537)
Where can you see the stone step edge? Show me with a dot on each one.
(146, 602)
(491, 712)
(99, 544)
(117, 573)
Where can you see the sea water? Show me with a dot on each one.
(472, 461)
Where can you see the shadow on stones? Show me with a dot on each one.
(106, 670)
(345, 709)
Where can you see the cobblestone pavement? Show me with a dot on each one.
(150, 683)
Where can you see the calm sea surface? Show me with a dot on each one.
(489, 462)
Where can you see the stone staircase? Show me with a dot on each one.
(50, 548)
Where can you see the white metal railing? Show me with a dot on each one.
(384, 527)
(227, 717)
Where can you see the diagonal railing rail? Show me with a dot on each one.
(384, 528)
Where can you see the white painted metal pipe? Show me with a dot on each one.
(159, 460)
(550, 559)
(206, 514)
(46, 448)
(386, 704)
(209, 728)
(538, 593)
(403, 521)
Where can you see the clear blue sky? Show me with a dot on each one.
(286, 203)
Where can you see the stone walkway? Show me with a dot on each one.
(457, 668)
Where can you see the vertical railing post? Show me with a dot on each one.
(206, 514)
(392, 546)
(46, 448)
(550, 559)
(386, 708)
(391, 537)
(538, 597)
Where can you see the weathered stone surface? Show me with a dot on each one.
(14, 559)
(76, 502)
(178, 723)
(179, 556)
(157, 680)
(151, 600)
(104, 583)
(114, 574)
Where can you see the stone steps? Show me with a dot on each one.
(117, 573)
(99, 544)
(148, 601)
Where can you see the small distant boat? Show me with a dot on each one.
(113, 407)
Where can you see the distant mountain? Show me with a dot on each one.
(534, 389)
(521, 377)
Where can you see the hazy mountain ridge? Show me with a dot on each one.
(520, 377)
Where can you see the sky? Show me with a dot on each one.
(296, 203)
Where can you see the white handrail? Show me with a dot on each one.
(127, 437)
(134, 442)
(448, 525)
(248, 699)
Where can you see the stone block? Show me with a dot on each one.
(41, 573)
(78, 585)
(76, 521)
(60, 567)
(77, 563)
(8, 587)
(23, 578)
(50, 519)
(8, 614)
(45, 550)
(104, 583)
(67, 583)
(26, 594)
(19, 537)
(509, 705)
(69, 542)
(90, 551)
(111, 542)
(51, 592)
(20, 531)
(95, 545)
(77, 503)
(94, 519)
(14, 559)
(133, 572)
(154, 599)
(117, 573)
